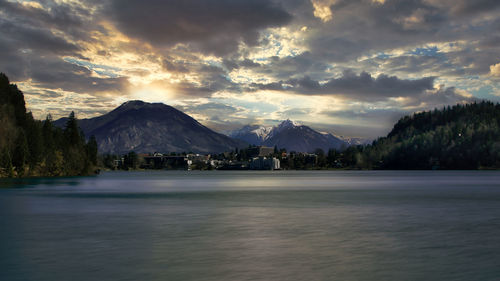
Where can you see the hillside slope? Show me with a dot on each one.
(153, 127)
(458, 137)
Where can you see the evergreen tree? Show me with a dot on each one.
(71, 131)
(21, 153)
(5, 162)
(36, 148)
(92, 150)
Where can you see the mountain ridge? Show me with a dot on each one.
(289, 135)
(153, 127)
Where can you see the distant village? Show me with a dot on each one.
(251, 158)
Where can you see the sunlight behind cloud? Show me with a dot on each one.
(150, 93)
(322, 9)
(495, 70)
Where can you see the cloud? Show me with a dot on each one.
(215, 27)
(215, 111)
(291, 66)
(34, 38)
(218, 116)
(414, 64)
(436, 98)
(209, 79)
(373, 119)
(365, 114)
(249, 64)
(174, 66)
(360, 26)
(352, 86)
(495, 70)
(467, 8)
(322, 9)
(72, 18)
(273, 58)
(59, 74)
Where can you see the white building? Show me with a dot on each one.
(264, 163)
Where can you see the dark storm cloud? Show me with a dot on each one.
(249, 64)
(173, 66)
(57, 73)
(12, 60)
(74, 20)
(291, 66)
(358, 26)
(362, 86)
(468, 60)
(230, 64)
(211, 26)
(58, 15)
(440, 97)
(282, 68)
(416, 64)
(35, 38)
(471, 7)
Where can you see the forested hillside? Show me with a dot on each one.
(459, 137)
(30, 147)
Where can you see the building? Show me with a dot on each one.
(198, 158)
(264, 163)
(118, 163)
(260, 151)
(159, 161)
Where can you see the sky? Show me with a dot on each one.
(348, 67)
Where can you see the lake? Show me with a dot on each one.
(245, 225)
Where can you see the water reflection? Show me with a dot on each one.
(34, 182)
(253, 226)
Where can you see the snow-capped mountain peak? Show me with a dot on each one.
(262, 132)
(287, 124)
(289, 135)
(253, 134)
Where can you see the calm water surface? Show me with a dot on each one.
(379, 225)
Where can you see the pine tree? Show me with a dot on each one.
(92, 150)
(71, 131)
(21, 153)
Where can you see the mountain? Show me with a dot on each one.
(153, 127)
(253, 134)
(289, 135)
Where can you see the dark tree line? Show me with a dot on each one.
(459, 137)
(30, 147)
